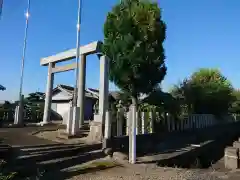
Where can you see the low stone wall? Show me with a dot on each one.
(213, 140)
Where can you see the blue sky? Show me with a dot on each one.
(199, 34)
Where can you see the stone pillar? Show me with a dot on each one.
(69, 121)
(137, 123)
(96, 127)
(132, 137)
(143, 119)
(129, 117)
(81, 90)
(16, 119)
(18, 115)
(153, 120)
(75, 120)
(120, 115)
(48, 95)
(107, 130)
(103, 90)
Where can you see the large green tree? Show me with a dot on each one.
(133, 40)
(206, 91)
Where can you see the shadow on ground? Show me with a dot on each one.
(210, 151)
(29, 161)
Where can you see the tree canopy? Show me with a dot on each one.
(206, 91)
(133, 40)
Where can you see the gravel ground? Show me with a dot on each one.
(144, 172)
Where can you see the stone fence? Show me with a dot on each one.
(152, 122)
(149, 142)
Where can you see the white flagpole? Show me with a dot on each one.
(75, 109)
(77, 51)
(22, 64)
(24, 49)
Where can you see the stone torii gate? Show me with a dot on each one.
(77, 121)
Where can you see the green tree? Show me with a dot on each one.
(235, 107)
(2, 88)
(134, 35)
(206, 91)
(35, 97)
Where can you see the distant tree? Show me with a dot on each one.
(2, 88)
(36, 96)
(235, 106)
(134, 35)
(163, 100)
(7, 105)
(206, 91)
(183, 92)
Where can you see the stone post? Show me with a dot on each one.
(132, 137)
(129, 117)
(103, 91)
(98, 124)
(18, 115)
(81, 90)
(143, 119)
(152, 116)
(107, 133)
(231, 158)
(137, 123)
(75, 120)
(120, 114)
(48, 95)
(69, 121)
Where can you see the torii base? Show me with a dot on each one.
(95, 133)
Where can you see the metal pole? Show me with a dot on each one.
(24, 52)
(77, 52)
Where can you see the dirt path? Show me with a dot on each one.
(22, 136)
(157, 173)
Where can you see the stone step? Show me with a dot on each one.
(49, 147)
(48, 154)
(55, 164)
(5, 151)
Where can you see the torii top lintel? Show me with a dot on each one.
(91, 48)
